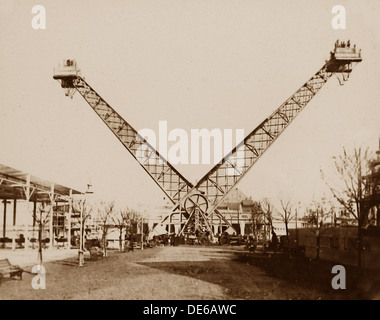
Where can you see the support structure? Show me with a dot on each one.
(14, 211)
(69, 217)
(18, 185)
(5, 201)
(197, 203)
(51, 216)
(28, 194)
(81, 250)
(14, 224)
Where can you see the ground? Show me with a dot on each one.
(189, 273)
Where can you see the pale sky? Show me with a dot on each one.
(196, 64)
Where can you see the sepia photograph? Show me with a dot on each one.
(177, 152)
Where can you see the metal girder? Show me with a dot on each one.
(216, 184)
(174, 185)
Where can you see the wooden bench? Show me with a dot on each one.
(95, 253)
(7, 268)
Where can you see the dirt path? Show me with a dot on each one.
(169, 273)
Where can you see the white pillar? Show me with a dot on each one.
(27, 196)
(69, 218)
(51, 195)
(242, 228)
(122, 240)
(14, 226)
(80, 252)
(150, 224)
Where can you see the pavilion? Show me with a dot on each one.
(17, 189)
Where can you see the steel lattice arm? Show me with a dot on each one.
(174, 185)
(220, 179)
(216, 184)
(163, 173)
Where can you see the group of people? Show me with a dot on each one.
(342, 44)
(251, 242)
(174, 240)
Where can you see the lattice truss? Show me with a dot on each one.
(220, 180)
(163, 173)
(198, 203)
(216, 184)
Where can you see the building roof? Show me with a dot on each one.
(248, 203)
(236, 200)
(235, 195)
(13, 184)
(230, 206)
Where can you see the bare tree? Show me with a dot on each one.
(316, 215)
(349, 188)
(132, 220)
(285, 214)
(105, 210)
(267, 208)
(120, 221)
(42, 219)
(87, 210)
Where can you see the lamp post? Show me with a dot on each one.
(81, 252)
(142, 233)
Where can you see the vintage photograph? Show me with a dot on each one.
(189, 151)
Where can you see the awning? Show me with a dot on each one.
(13, 184)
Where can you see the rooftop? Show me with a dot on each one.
(13, 184)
